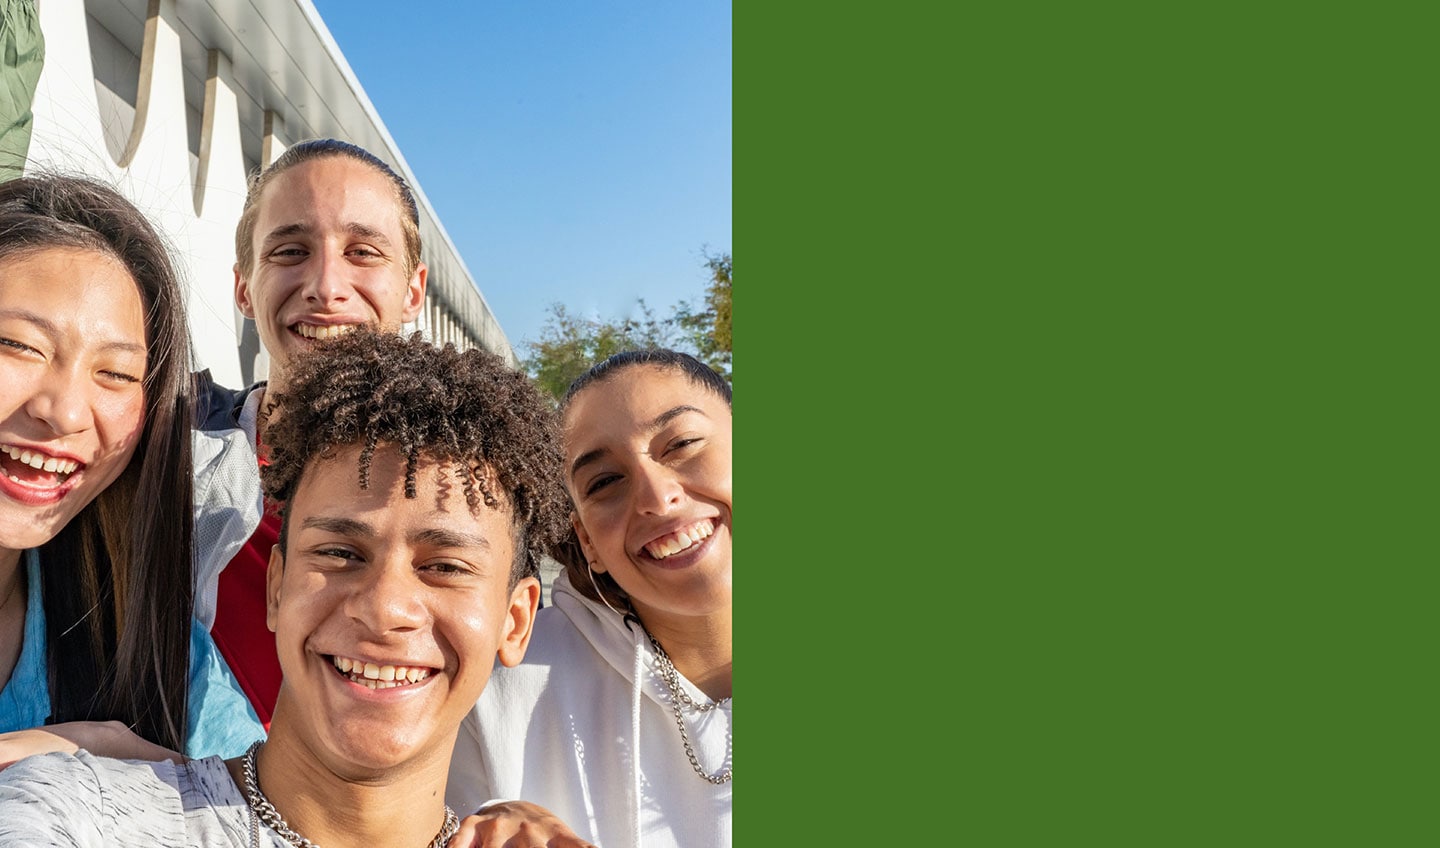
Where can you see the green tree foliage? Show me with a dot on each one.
(570, 344)
(707, 330)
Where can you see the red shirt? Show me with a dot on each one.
(240, 631)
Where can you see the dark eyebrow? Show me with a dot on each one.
(436, 536)
(48, 328)
(367, 232)
(670, 415)
(443, 538)
(585, 459)
(285, 231)
(339, 526)
(655, 424)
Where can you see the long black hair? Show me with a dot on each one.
(118, 579)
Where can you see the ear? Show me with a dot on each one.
(415, 293)
(273, 574)
(242, 295)
(585, 544)
(519, 622)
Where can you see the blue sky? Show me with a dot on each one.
(576, 152)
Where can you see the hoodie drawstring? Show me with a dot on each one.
(635, 733)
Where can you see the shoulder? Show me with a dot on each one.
(560, 665)
(102, 772)
(216, 407)
(79, 771)
(556, 641)
(81, 796)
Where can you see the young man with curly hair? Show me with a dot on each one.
(418, 486)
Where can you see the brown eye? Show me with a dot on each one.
(601, 482)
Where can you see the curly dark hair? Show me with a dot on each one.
(467, 408)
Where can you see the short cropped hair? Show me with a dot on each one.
(468, 410)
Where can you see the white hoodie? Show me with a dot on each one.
(560, 730)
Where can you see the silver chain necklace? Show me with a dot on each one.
(680, 701)
(262, 810)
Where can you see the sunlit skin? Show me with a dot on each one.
(72, 365)
(372, 575)
(648, 453)
(329, 253)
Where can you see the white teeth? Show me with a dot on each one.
(328, 331)
(681, 540)
(380, 676)
(39, 461)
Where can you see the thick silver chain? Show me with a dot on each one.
(680, 701)
(262, 810)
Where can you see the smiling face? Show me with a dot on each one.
(72, 401)
(647, 462)
(329, 254)
(389, 613)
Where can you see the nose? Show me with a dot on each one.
(62, 401)
(390, 599)
(657, 489)
(330, 287)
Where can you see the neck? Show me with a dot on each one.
(399, 808)
(263, 416)
(701, 648)
(12, 612)
(12, 571)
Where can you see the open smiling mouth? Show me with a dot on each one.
(321, 332)
(33, 468)
(681, 541)
(379, 676)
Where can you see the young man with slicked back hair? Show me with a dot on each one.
(328, 241)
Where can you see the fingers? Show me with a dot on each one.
(515, 825)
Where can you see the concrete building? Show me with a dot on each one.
(176, 102)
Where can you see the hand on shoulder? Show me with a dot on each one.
(510, 823)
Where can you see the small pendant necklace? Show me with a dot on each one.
(679, 702)
(262, 810)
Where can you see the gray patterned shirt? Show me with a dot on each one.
(84, 800)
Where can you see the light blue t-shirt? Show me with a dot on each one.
(221, 721)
